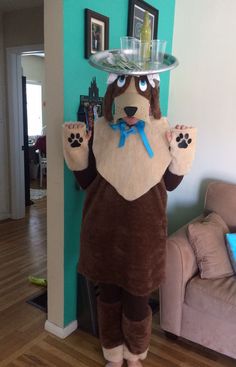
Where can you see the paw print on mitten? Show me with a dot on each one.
(75, 140)
(183, 140)
(75, 145)
(182, 149)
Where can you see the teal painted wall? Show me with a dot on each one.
(77, 77)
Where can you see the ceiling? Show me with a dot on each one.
(9, 5)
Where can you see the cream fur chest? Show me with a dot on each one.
(129, 169)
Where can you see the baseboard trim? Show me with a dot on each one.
(5, 215)
(61, 332)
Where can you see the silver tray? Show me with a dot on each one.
(97, 60)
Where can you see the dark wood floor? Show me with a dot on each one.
(35, 184)
(23, 341)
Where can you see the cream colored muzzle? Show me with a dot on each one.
(131, 98)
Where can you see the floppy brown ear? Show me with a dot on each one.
(155, 102)
(107, 103)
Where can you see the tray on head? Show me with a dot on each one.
(114, 61)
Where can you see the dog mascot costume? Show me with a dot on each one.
(126, 166)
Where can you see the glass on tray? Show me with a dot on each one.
(158, 48)
(138, 54)
(144, 53)
(129, 47)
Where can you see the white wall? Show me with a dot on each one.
(4, 180)
(33, 67)
(23, 27)
(203, 94)
(34, 70)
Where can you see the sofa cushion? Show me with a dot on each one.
(206, 237)
(221, 199)
(214, 296)
(231, 245)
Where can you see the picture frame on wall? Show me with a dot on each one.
(96, 32)
(136, 12)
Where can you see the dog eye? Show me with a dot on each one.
(143, 85)
(121, 81)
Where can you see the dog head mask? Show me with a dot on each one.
(133, 97)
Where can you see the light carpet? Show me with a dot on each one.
(36, 194)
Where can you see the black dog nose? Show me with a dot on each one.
(130, 111)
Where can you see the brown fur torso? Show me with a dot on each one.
(124, 242)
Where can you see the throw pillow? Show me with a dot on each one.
(231, 245)
(207, 238)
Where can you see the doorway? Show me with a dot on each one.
(16, 125)
(34, 121)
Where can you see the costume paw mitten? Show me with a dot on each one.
(182, 149)
(75, 145)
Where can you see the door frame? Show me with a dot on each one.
(15, 118)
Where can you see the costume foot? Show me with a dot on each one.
(134, 364)
(114, 364)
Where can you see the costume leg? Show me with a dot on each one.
(136, 326)
(109, 321)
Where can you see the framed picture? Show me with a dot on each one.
(96, 32)
(137, 9)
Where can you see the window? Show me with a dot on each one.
(34, 108)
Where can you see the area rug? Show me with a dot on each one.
(37, 194)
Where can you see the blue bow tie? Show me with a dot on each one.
(125, 132)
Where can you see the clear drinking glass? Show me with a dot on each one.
(129, 47)
(144, 53)
(158, 48)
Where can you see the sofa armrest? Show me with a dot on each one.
(181, 266)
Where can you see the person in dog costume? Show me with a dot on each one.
(126, 167)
